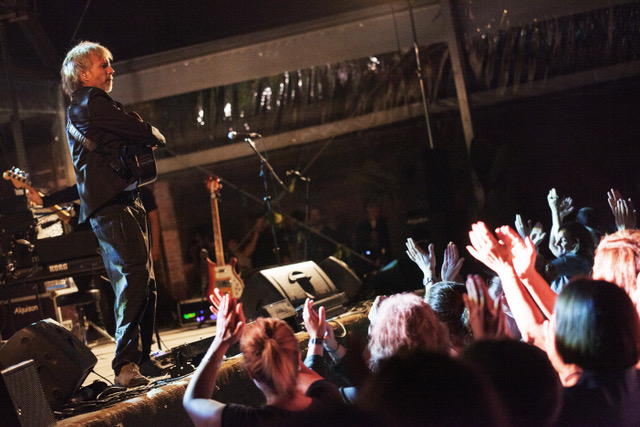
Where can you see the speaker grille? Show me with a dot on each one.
(24, 387)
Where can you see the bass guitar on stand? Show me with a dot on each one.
(221, 275)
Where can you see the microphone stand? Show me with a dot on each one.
(264, 163)
(298, 176)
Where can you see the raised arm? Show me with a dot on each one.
(560, 208)
(523, 259)
(316, 325)
(425, 260)
(197, 401)
(451, 264)
(497, 256)
(623, 211)
(486, 317)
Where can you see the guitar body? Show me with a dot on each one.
(225, 278)
(220, 274)
(141, 166)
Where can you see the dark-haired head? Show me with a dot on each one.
(597, 326)
(523, 377)
(422, 388)
(445, 298)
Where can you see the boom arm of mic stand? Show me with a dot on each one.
(266, 163)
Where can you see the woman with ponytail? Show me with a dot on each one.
(272, 360)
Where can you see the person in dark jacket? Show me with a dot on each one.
(97, 130)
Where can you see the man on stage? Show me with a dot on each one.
(97, 126)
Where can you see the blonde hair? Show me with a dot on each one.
(271, 354)
(617, 260)
(405, 322)
(78, 59)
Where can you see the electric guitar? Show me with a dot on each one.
(221, 275)
(20, 179)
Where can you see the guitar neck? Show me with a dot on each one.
(217, 232)
(19, 181)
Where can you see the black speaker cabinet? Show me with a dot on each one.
(22, 400)
(281, 291)
(16, 313)
(342, 276)
(62, 360)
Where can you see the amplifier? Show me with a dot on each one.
(194, 310)
(24, 311)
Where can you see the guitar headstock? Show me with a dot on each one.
(214, 186)
(18, 177)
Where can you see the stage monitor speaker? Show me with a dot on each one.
(22, 400)
(62, 360)
(342, 276)
(281, 291)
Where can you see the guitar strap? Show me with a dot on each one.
(114, 158)
(87, 142)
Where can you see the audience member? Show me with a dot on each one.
(415, 387)
(596, 327)
(570, 242)
(447, 300)
(523, 377)
(617, 260)
(272, 360)
(487, 317)
(400, 321)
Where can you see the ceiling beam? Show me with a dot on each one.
(359, 34)
(381, 118)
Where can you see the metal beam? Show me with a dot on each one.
(367, 32)
(369, 121)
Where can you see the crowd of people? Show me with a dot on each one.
(531, 340)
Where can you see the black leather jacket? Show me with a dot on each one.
(97, 116)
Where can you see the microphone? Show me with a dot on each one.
(244, 135)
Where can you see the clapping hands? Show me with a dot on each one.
(451, 264)
(231, 321)
(535, 232)
(486, 316)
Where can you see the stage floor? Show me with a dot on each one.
(104, 350)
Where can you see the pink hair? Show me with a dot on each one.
(617, 260)
(405, 321)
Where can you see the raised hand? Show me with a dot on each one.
(230, 322)
(536, 232)
(451, 264)
(565, 207)
(425, 260)
(215, 299)
(554, 200)
(523, 252)
(314, 322)
(486, 317)
(524, 229)
(487, 249)
(623, 211)
(613, 196)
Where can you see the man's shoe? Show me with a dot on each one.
(130, 376)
